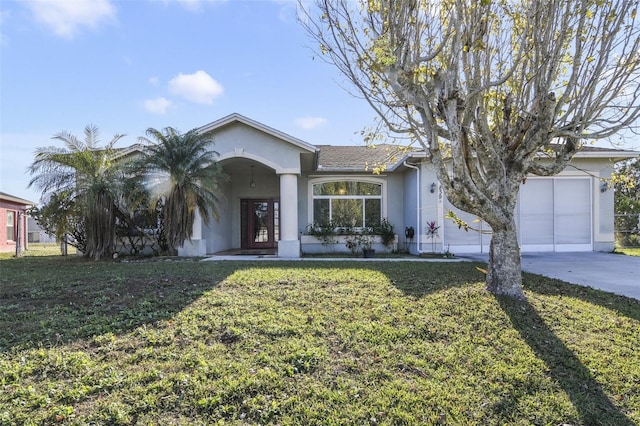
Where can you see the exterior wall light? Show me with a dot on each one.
(252, 184)
(432, 188)
(604, 186)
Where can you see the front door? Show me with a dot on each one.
(260, 223)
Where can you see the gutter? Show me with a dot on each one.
(419, 201)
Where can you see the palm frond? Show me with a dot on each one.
(90, 172)
(193, 178)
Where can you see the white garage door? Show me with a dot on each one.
(553, 214)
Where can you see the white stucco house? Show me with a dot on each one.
(280, 184)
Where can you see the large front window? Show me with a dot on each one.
(347, 203)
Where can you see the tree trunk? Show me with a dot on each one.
(504, 274)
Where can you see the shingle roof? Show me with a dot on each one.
(332, 158)
(359, 158)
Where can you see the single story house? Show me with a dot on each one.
(37, 234)
(13, 223)
(279, 185)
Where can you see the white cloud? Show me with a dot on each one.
(67, 17)
(4, 17)
(288, 10)
(154, 81)
(198, 87)
(193, 5)
(310, 123)
(158, 105)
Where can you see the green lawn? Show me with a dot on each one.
(629, 251)
(168, 341)
(40, 249)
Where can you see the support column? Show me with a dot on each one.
(198, 245)
(289, 244)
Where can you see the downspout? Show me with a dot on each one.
(419, 201)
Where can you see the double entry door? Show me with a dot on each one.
(260, 223)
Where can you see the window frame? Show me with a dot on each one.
(11, 224)
(340, 178)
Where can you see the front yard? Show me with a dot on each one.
(168, 341)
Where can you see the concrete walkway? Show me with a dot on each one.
(614, 273)
(332, 259)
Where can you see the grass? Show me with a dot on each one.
(629, 251)
(167, 341)
(40, 249)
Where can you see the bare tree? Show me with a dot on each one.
(493, 90)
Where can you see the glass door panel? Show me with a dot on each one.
(259, 223)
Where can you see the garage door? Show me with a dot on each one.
(552, 214)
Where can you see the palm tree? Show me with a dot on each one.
(90, 174)
(182, 169)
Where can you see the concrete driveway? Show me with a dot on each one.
(614, 273)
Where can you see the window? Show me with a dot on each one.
(11, 226)
(347, 203)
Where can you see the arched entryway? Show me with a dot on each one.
(253, 220)
(273, 161)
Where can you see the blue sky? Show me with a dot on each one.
(129, 65)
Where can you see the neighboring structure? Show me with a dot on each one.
(37, 234)
(280, 185)
(13, 223)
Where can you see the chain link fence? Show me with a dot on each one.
(627, 230)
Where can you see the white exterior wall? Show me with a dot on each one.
(395, 202)
(289, 244)
(430, 209)
(411, 212)
(304, 212)
(603, 203)
(241, 141)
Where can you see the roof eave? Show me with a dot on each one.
(16, 200)
(615, 155)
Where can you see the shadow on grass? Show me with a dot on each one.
(576, 380)
(45, 301)
(584, 391)
(623, 305)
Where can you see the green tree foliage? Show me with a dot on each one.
(182, 169)
(62, 218)
(626, 182)
(90, 179)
